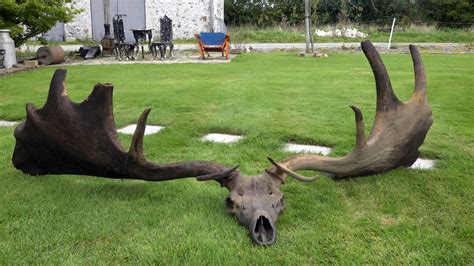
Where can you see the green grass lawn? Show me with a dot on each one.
(401, 217)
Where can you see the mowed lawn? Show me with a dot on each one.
(401, 217)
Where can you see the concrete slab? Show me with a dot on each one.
(221, 138)
(130, 129)
(300, 148)
(4, 123)
(425, 164)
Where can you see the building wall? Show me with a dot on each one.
(81, 26)
(189, 17)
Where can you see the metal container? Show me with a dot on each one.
(8, 44)
(50, 55)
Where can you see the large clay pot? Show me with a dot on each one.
(8, 45)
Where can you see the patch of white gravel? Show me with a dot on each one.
(424, 164)
(4, 123)
(291, 147)
(221, 138)
(130, 129)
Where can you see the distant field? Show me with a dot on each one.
(409, 34)
(401, 217)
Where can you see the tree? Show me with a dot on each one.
(28, 18)
(451, 13)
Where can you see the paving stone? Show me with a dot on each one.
(291, 147)
(4, 123)
(149, 129)
(425, 164)
(221, 138)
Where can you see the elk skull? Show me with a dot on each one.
(257, 202)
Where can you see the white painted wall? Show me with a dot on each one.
(81, 26)
(189, 17)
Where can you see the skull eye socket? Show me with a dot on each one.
(229, 204)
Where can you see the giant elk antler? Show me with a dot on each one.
(398, 131)
(64, 137)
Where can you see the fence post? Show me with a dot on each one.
(307, 15)
(391, 33)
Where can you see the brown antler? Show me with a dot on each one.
(64, 137)
(399, 130)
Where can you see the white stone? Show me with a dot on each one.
(345, 32)
(221, 138)
(291, 147)
(4, 123)
(423, 164)
(130, 129)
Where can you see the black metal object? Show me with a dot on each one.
(89, 52)
(108, 42)
(119, 31)
(141, 37)
(166, 39)
(166, 29)
(162, 47)
(122, 48)
(2, 57)
(129, 50)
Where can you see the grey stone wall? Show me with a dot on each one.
(189, 16)
(81, 26)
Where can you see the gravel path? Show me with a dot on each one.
(277, 46)
(187, 53)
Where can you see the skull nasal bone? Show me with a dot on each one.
(263, 231)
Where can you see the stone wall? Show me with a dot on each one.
(81, 26)
(219, 25)
(189, 17)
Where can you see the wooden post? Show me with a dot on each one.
(307, 16)
(107, 12)
(391, 33)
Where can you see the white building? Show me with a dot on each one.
(188, 16)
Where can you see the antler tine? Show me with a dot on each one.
(287, 171)
(136, 147)
(420, 77)
(31, 112)
(386, 98)
(100, 99)
(57, 89)
(360, 128)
